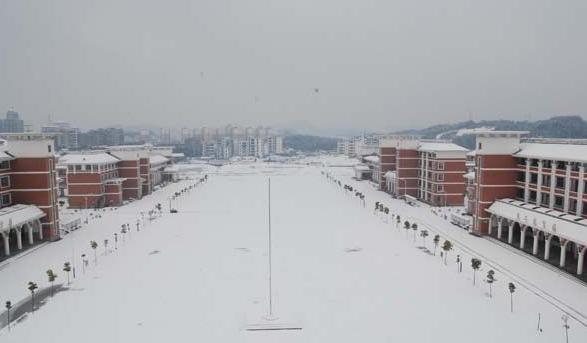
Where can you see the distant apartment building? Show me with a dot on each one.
(12, 123)
(100, 138)
(66, 137)
(28, 190)
(233, 141)
(530, 193)
(359, 146)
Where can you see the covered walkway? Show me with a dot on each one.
(18, 223)
(557, 237)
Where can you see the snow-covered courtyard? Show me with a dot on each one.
(340, 271)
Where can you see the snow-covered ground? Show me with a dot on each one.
(339, 271)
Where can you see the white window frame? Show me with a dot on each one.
(5, 177)
(440, 166)
(440, 188)
(9, 199)
(439, 177)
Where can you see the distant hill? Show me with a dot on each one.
(555, 127)
(308, 143)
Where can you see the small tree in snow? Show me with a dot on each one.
(415, 228)
(490, 280)
(475, 264)
(398, 220)
(424, 234)
(94, 246)
(32, 287)
(51, 276)
(446, 246)
(376, 206)
(8, 307)
(123, 232)
(436, 241)
(512, 289)
(115, 241)
(105, 246)
(407, 227)
(67, 269)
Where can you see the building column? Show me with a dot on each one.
(536, 234)
(580, 190)
(6, 237)
(491, 219)
(511, 232)
(553, 168)
(581, 257)
(527, 182)
(567, 188)
(547, 240)
(539, 184)
(499, 227)
(523, 236)
(29, 229)
(18, 238)
(563, 258)
(40, 229)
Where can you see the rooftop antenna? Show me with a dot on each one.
(269, 322)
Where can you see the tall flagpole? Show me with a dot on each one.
(270, 269)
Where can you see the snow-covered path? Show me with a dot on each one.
(340, 272)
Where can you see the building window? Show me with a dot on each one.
(49, 148)
(5, 181)
(558, 202)
(572, 205)
(520, 194)
(546, 180)
(547, 164)
(5, 165)
(440, 165)
(533, 178)
(440, 177)
(560, 182)
(440, 188)
(479, 146)
(521, 176)
(6, 199)
(574, 185)
(545, 199)
(532, 196)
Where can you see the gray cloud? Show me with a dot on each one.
(377, 64)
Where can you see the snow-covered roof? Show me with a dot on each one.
(5, 157)
(469, 175)
(372, 159)
(550, 151)
(157, 159)
(389, 175)
(472, 153)
(177, 154)
(440, 146)
(87, 158)
(361, 167)
(558, 223)
(17, 215)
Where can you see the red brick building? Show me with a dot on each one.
(531, 194)
(442, 166)
(92, 179)
(28, 190)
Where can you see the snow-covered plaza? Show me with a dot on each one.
(341, 272)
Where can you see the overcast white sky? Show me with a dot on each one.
(376, 64)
